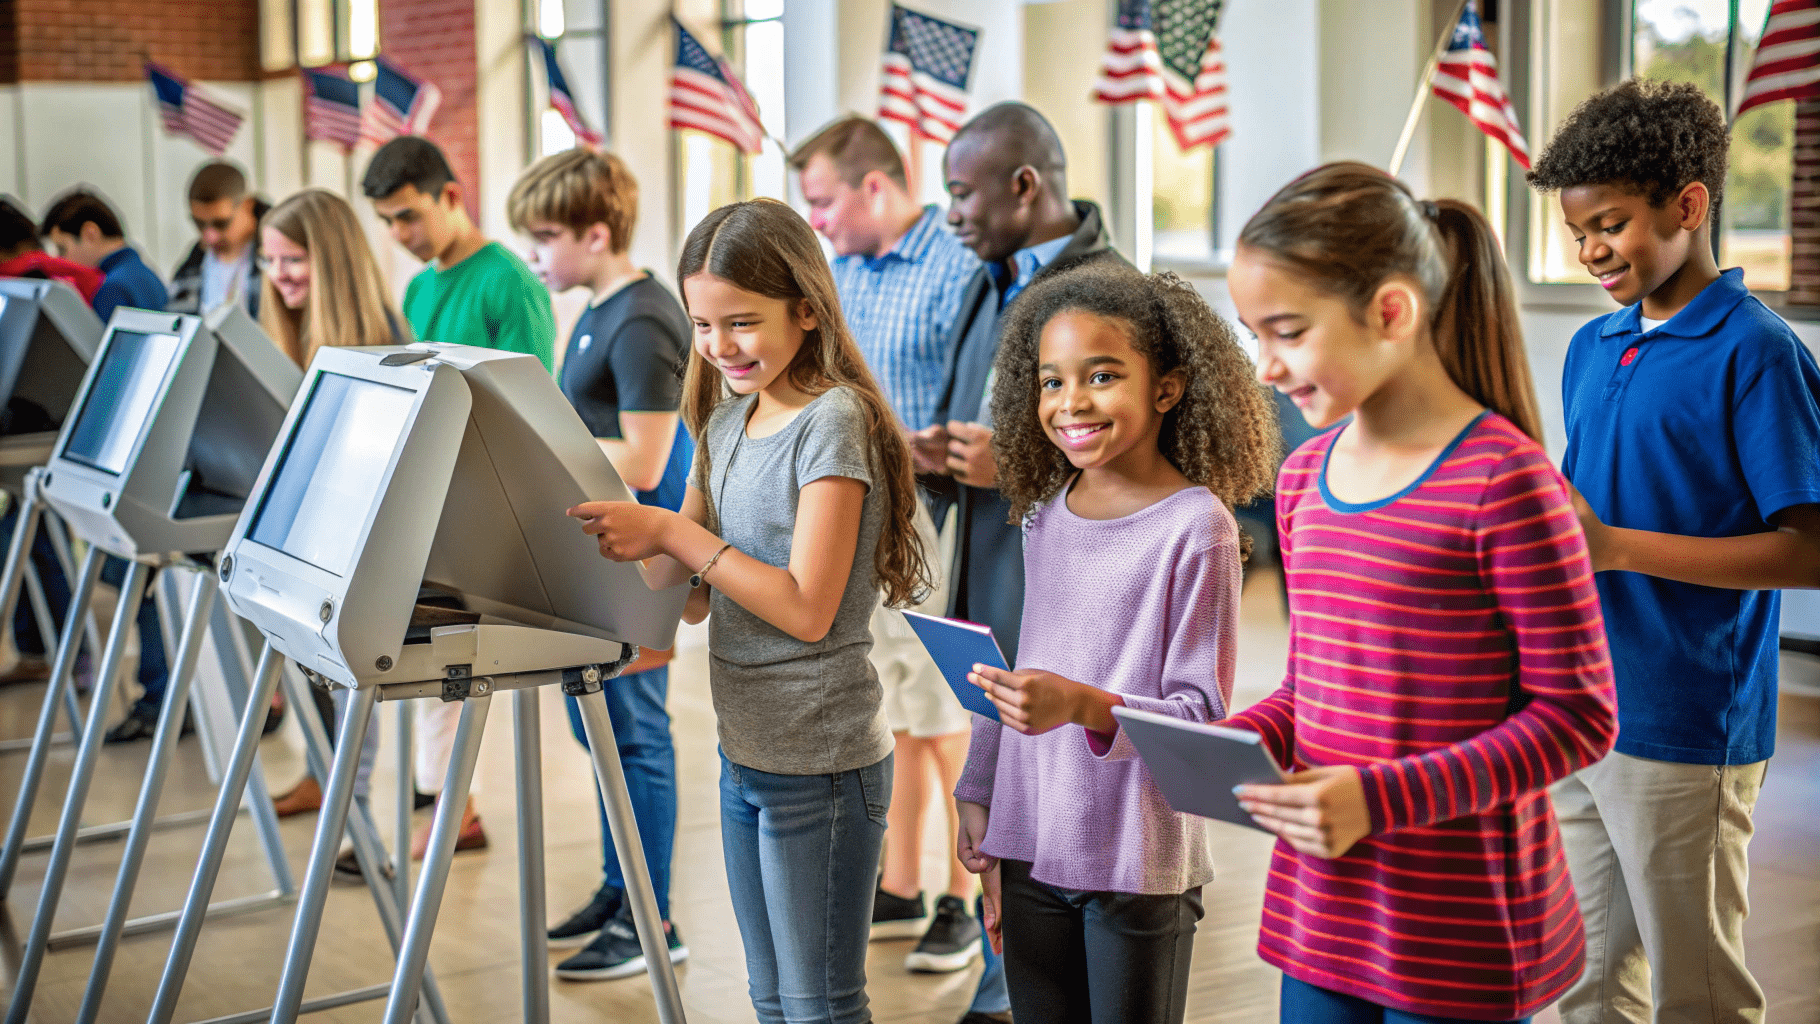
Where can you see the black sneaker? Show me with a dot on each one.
(615, 952)
(976, 1017)
(583, 925)
(347, 869)
(950, 944)
(894, 917)
(139, 724)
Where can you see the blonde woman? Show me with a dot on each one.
(322, 288)
(322, 285)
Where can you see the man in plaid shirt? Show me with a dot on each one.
(901, 275)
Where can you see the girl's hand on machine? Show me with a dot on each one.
(1319, 811)
(626, 530)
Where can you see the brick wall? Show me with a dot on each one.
(1804, 207)
(434, 40)
(109, 40)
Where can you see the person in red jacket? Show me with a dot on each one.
(22, 255)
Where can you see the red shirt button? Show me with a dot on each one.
(1630, 356)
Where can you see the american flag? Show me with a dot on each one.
(923, 82)
(1167, 50)
(187, 110)
(561, 98)
(1787, 64)
(706, 95)
(402, 105)
(331, 106)
(1467, 77)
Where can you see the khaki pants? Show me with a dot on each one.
(1657, 854)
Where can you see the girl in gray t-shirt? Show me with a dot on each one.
(799, 512)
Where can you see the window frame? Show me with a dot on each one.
(1121, 137)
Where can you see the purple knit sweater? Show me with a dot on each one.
(1145, 606)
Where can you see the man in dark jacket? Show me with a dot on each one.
(223, 265)
(1007, 181)
(1008, 201)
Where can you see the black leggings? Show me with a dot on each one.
(1095, 957)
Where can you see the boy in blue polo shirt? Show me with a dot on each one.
(1693, 445)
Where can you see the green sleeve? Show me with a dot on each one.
(526, 321)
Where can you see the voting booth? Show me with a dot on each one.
(48, 336)
(407, 538)
(156, 458)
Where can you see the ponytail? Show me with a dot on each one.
(1476, 331)
(1347, 227)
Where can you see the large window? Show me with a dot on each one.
(325, 32)
(1183, 197)
(710, 172)
(1698, 41)
(1576, 47)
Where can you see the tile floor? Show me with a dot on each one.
(475, 953)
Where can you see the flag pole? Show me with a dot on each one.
(1422, 91)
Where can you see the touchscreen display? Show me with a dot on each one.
(317, 502)
(114, 413)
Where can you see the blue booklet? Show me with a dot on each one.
(956, 647)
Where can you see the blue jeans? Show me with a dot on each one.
(991, 996)
(1310, 1004)
(154, 676)
(641, 732)
(802, 859)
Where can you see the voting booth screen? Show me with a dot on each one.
(332, 471)
(40, 370)
(242, 410)
(127, 383)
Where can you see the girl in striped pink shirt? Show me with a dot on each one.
(1446, 657)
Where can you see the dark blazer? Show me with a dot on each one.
(987, 576)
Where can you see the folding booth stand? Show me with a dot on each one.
(169, 429)
(47, 338)
(407, 539)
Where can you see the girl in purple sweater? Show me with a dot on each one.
(1128, 425)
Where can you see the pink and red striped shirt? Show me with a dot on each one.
(1447, 641)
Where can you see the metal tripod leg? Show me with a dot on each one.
(19, 549)
(47, 716)
(132, 593)
(331, 820)
(55, 529)
(639, 893)
(49, 631)
(164, 745)
(364, 833)
(407, 804)
(214, 845)
(427, 903)
(534, 956)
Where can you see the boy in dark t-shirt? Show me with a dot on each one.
(623, 373)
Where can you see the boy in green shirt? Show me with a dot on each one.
(473, 292)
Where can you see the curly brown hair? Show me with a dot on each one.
(1651, 138)
(1222, 435)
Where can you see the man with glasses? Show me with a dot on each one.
(223, 266)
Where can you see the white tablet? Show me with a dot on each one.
(1197, 765)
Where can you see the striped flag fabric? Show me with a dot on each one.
(188, 110)
(331, 106)
(923, 81)
(1787, 64)
(560, 98)
(402, 105)
(1169, 51)
(1467, 77)
(707, 96)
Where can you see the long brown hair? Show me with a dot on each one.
(1222, 435)
(349, 303)
(764, 247)
(1347, 227)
